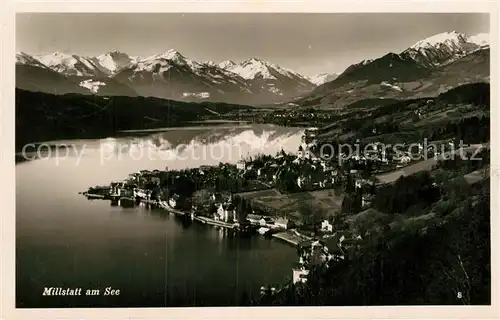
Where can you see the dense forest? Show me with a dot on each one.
(42, 116)
(444, 259)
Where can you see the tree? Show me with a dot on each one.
(310, 218)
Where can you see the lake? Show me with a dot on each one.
(153, 258)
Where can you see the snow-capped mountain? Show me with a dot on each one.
(33, 75)
(93, 86)
(227, 64)
(427, 67)
(26, 59)
(113, 61)
(64, 73)
(321, 78)
(444, 48)
(481, 39)
(105, 64)
(172, 75)
(257, 68)
(71, 65)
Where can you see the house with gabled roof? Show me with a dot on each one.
(283, 223)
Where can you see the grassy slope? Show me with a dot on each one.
(41, 116)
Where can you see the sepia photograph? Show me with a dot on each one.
(167, 160)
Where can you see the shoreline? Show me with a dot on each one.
(282, 236)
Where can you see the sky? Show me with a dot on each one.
(309, 43)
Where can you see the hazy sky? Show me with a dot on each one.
(308, 43)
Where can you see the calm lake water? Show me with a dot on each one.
(153, 258)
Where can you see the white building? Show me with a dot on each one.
(307, 153)
(254, 218)
(384, 156)
(358, 183)
(140, 193)
(300, 152)
(300, 181)
(282, 223)
(173, 201)
(405, 159)
(225, 212)
(241, 165)
(365, 201)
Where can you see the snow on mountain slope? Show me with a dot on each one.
(71, 65)
(32, 75)
(26, 59)
(321, 78)
(227, 64)
(443, 48)
(425, 68)
(163, 61)
(92, 85)
(392, 86)
(63, 73)
(257, 68)
(265, 78)
(171, 74)
(481, 39)
(451, 39)
(251, 69)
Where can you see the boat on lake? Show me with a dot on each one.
(93, 196)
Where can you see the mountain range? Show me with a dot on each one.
(429, 66)
(168, 75)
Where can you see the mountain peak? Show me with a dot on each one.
(113, 61)
(254, 68)
(116, 53)
(57, 58)
(442, 48)
(59, 55)
(255, 60)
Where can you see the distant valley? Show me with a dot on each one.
(429, 67)
(168, 75)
